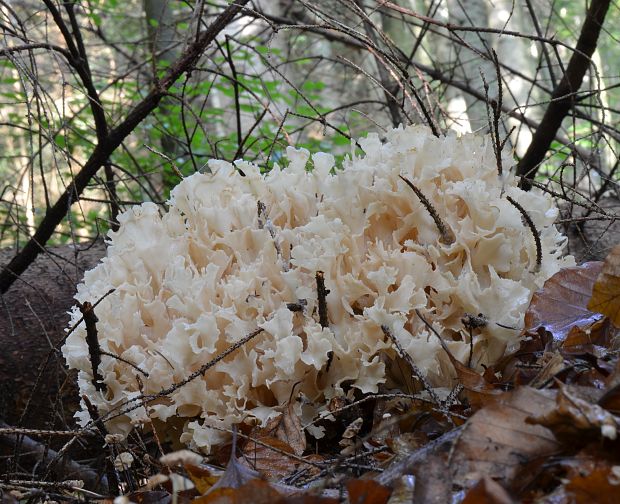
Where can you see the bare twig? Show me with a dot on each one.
(447, 236)
(322, 293)
(94, 350)
(46, 455)
(322, 298)
(140, 401)
(530, 224)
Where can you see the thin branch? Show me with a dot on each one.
(530, 224)
(390, 96)
(322, 293)
(142, 400)
(45, 455)
(447, 236)
(94, 350)
(322, 299)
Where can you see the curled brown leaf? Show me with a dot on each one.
(563, 301)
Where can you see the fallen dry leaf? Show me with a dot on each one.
(270, 457)
(255, 491)
(611, 400)
(573, 417)
(496, 442)
(291, 432)
(202, 477)
(348, 442)
(587, 339)
(477, 388)
(353, 428)
(433, 482)
(236, 473)
(563, 301)
(384, 413)
(606, 292)
(551, 363)
(287, 428)
(259, 492)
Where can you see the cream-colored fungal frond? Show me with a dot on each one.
(235, 250)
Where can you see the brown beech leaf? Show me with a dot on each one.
(235, 475)
(551, 363)
(586, 339)
(290, 431)
(287, 428)
(477, 388)
(496, 442)
(591, 476)
(270, 457)
(563, 301)
(606, 293)
(487, 491)
(259, 492)
(202, 478)
(573, 416)
(433, 480)
(367, 491)
(611, 400)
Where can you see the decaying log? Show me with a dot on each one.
(592, 238)
(33, 316)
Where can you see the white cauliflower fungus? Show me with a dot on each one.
(237, 251)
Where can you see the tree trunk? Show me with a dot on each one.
(162, 38)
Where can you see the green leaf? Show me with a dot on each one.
(60, 141)
(341, 140)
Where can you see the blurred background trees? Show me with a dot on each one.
(311, 74)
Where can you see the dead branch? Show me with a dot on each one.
(43, 454)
